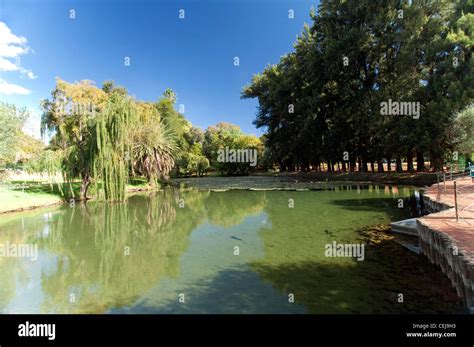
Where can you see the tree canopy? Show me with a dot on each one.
(106, 136)
(103, 137)
(12, 120)
(322, 102)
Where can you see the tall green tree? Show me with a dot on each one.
(228, 136)
(463, 131)
(322, 102)
(69, 118)
(111, 145)
(12, 120)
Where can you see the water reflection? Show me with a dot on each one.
(139, 255)
(108, 255)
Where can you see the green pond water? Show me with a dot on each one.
(154, 255)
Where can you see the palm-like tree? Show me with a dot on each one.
(153, 150)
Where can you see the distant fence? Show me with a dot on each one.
(443, 177)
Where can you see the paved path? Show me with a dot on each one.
(462, 231)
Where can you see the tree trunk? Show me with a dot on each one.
(437, 162)
(420, 161)
(365, 168)
(344, 166)
(399, 164)
(352, 166)
(85, 183)
(410, 161)
(291, 165)
(380, 165)
(372, 166)
(281, 165)
(308, 166)
(389, 163)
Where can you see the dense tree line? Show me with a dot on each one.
(321, 104)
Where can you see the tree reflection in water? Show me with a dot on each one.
(84, 265)
(109, 254)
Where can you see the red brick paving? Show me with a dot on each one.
(461, 231)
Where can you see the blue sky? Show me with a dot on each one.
(193, 56)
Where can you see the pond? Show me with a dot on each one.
(190, 251)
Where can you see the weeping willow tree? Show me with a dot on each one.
(104, 136)
(68, 117)
(130, 138)
(111, 145)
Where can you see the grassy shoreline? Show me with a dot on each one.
(15, 200)
(29, 195)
